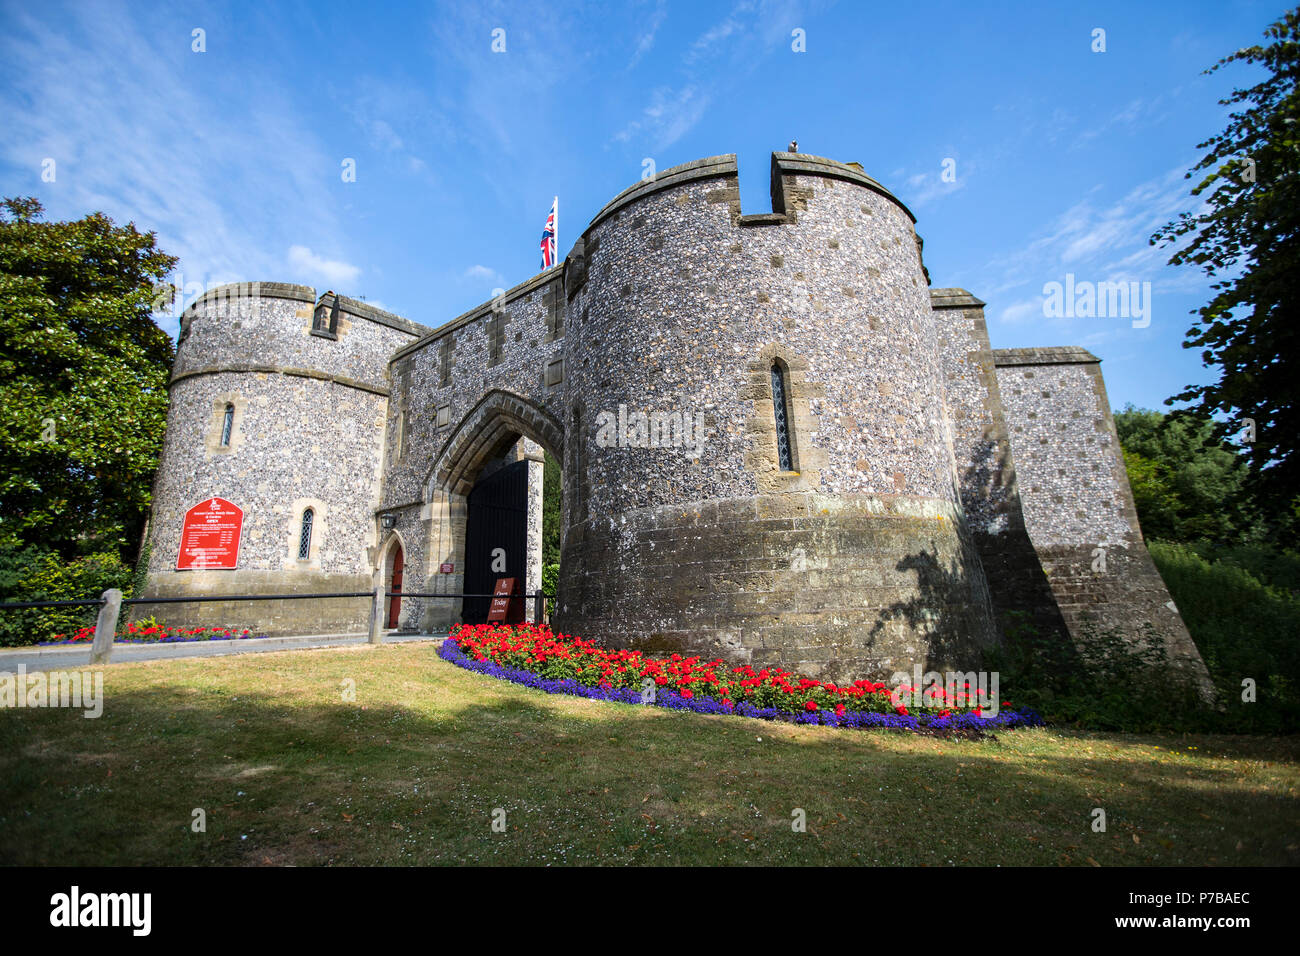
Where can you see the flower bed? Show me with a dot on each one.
(533, 656)
(150, 632)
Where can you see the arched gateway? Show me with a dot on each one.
(778, 443)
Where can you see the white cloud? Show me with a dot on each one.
(720, 57)
(1022, 310)
(646, 39)
(227, 184)
(483, 274)
(1096, 242)
(309, 265)
(668, 116)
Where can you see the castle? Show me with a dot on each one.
(779, 445)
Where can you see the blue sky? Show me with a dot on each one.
(1066, 160)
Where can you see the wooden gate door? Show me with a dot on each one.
(497, 518)
(395, 584)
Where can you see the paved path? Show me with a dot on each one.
(77, 657)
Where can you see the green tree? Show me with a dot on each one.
(1247, 238)
(1187, 485)
(552, 495)
(83, 380)
(1157, 504)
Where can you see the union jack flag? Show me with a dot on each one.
(548, 235)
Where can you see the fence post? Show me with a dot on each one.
(539, 608)
(106, 627)
(377, 615)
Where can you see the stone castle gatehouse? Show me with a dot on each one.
(779, 445)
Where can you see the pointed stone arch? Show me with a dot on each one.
(485, 431)
(495, 423)
(390, 544)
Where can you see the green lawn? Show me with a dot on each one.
(288, 772)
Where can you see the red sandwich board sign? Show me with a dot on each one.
(500, 605)
(210, 536)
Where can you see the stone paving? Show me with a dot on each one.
(68, 657)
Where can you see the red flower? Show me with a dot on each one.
(809, 705)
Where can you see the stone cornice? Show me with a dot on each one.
(305, 293)
(1057, 355)
(953, 299)
(281, 370)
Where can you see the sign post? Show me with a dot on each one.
(502, 607)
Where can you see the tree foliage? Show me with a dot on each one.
(1187, 485)
(1247, 238)
(83, 379)
(552, 494)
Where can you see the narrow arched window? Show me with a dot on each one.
(304, 538)
(227, 424)
(780, 407)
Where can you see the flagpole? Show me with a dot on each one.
(556, 204)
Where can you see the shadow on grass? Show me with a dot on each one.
(418, 769)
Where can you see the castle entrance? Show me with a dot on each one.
(496, 535)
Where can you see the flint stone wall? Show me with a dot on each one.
(1079, 508)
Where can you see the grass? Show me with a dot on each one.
(288, 772)
(1243, 626)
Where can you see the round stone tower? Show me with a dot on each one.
(815, 521)
(277, 407)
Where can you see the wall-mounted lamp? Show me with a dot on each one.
(388, 521)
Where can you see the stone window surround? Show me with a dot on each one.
(320, 512)
(446, 360)
(217, 424)
(495, 329)
(761, 455)
(401, 439)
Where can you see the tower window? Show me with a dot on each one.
(780, 407)
(227, 424)
(304, 538)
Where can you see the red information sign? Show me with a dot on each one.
(210, 536)
(500, 606)
(446, 568)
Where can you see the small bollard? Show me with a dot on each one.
(106, 626)
(377, 616)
